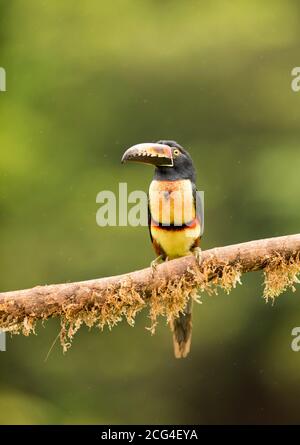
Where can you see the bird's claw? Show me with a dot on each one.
(198, 255)
(156, 262)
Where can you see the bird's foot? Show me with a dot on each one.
(197, 252)
(156, 262)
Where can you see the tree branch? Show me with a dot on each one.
(106, 300)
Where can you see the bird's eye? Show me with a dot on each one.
(176, 152)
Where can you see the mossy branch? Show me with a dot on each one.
(106, 301)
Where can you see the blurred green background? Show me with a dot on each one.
(85, 80)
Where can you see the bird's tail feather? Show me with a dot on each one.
(182, 331)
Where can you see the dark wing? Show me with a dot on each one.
(199, 203)
(149, 220)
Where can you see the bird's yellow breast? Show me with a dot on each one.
(176, 243)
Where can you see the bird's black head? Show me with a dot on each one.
(183, 167)
(172, 161)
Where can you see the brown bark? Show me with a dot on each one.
(43, 302)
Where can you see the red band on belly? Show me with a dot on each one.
(191, 225)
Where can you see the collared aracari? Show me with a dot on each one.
(175, 216)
